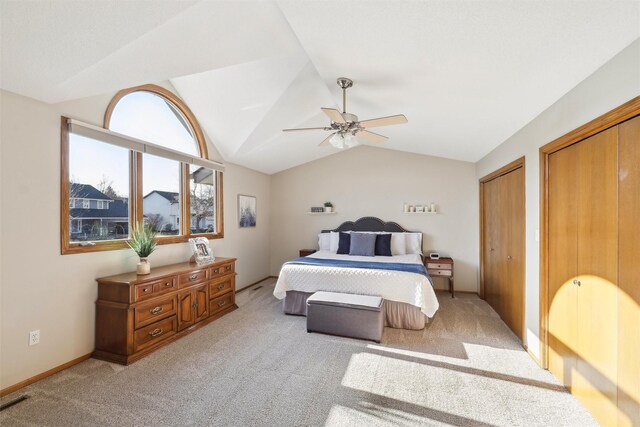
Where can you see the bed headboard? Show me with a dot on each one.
(369, 223)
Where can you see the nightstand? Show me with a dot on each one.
(442, 267)
(305, 252)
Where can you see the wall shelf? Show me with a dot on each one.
(322, 213)
(420, 213)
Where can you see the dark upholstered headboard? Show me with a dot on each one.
(369, 223)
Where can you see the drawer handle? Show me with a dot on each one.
(193, 277)
(156, 332)
(155, 310)
(221, 303)
(145, 289)
(216, 271)
(168, 284)
(228, 267)
(221, 286)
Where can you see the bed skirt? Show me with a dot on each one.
(396, 314)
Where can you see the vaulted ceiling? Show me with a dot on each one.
(467, 74)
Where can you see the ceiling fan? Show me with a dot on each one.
(345, 126)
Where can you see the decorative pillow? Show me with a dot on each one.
(363, 244)
(413, 243)
(398, 244)
(324, 241)
(344, 243)
(334, 240)
(383, 244)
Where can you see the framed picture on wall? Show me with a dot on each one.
(247, 213)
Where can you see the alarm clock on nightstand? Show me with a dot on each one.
(434, 255)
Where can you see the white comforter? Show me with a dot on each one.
(410, 288)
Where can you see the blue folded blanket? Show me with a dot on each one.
(410, 268)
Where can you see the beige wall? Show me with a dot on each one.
(41, 289)
(612, 85)
(368, 181)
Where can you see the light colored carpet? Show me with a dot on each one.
(257, 366)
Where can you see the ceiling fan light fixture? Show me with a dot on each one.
(337, 140)
(350, 140)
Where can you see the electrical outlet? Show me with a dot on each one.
(34, 337)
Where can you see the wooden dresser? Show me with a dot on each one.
(136, 315)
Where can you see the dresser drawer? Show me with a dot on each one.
(154, 333)
(221, 286)
(220, 303)
(151, 289)
(439, 266)
(193, 277)
(443, 273)
(153, 311)
(221, 270)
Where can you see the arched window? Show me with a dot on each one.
(156, 180)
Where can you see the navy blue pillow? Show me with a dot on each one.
(383, 244)
(344, 243)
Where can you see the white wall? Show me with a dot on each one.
(613, 84)
(368, 181)
(42, 289)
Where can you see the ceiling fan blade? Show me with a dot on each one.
(373, 137)
(384, 121)
(294, 129)
(326, 141)
(334, 115)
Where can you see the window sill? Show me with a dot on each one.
(112, 245)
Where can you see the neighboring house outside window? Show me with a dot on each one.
(111, 221)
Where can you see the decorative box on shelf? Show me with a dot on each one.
(429, 208)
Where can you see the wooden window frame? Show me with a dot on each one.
(135, 182)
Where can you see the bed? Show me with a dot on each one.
(400, 279)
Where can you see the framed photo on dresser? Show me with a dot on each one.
(201, 250)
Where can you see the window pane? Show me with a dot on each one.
(161, 189)
(98, 173)
(202, 184)
(149, 117)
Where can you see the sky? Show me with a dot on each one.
(145, 116)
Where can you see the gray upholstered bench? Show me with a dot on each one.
(347, 315)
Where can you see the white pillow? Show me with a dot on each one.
(334, 240)
(413, 243)
(324, 241)
(398, 244)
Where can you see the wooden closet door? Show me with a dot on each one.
(504, 285)
(629, 273)
(514, 260)
(596, 372)
(563, 263)
(491, 241)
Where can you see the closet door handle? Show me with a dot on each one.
(491, 250)
(508, 256)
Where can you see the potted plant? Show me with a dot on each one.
(143, 242)
(328, 206)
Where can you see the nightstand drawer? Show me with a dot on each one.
(439, 266)
(443, 273)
